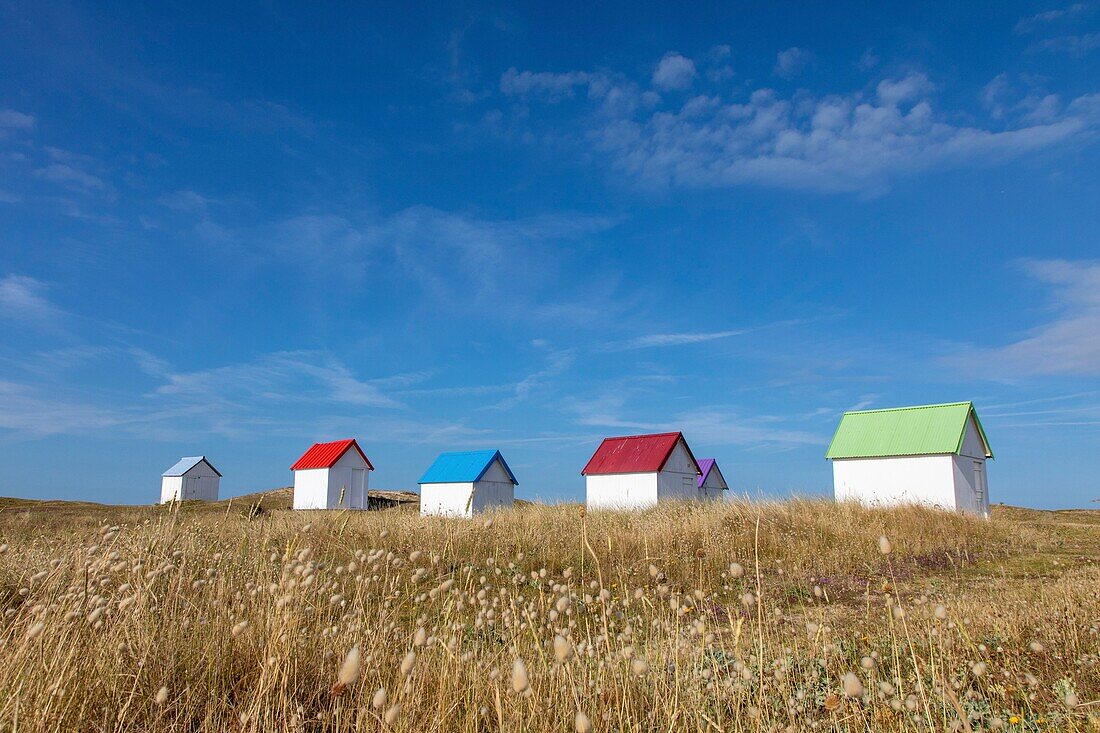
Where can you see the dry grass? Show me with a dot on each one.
(213, 619)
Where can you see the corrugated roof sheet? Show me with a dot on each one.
(705, 464)
(635, 454)
(904, 431)
(186, 463)
(325, 455)
(463, 467)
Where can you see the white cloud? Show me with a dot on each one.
(1069, 344)
(789, 63)
(674, 72)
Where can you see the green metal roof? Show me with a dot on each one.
(904, 431)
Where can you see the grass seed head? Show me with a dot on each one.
(520, 681)
(563, 648)
(884, 545)
(852, 685)
(379, 699)
(349, 670)
(162, 696)
(582, 723)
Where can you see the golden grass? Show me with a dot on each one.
(211, 619)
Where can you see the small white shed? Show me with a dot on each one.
(192, 478)
(466, 483)
(929, 454)
(637, 471)
(332, 476)
(712, 484)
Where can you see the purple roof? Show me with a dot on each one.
(705, 464)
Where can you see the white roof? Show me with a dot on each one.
(186, 463)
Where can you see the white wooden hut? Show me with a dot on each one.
(712, 484)
(636, 471)
(192, 478)
(332, 476)
(929, 454)
(466, 483)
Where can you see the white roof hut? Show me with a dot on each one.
(332, 476)
(466, 483)
(192, 478)
(637, 471)
(930, 454)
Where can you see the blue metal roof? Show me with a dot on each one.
(186, 464)
(464, 468)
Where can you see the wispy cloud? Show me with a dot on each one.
(657, 340)
(1069, 344)
(1034, 22)
(279, 377)
(24, 299)
(11, 119)
(557, 362)
(860, 141)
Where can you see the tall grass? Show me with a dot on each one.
(542, 619)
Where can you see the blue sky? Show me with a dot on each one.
(235, 230)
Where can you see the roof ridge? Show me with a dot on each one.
(645, 435)
(910, 407)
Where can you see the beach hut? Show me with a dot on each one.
(467, 483)
(712, 484)
(332, 476)
(193, 477)
(636, 471)
(929, 454)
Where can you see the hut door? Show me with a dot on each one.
(358, 476)
(979, 484)
(190, 488)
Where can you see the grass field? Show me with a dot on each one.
(770, 617)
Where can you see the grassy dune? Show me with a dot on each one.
(785, 616)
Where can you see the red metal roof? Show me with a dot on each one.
(635, 454)
(325, 455)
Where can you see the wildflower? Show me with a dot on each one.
(162, 696)
(736, 570)
(884, 545)
(851, 684)
(582, 723)
(520, 681)
(1071, 700)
